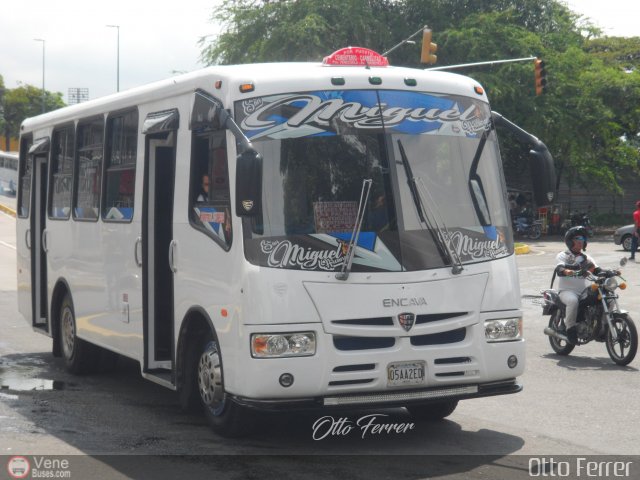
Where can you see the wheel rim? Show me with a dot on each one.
(68, 332)
(617, 348)
(210, 379)
(556, 325)
(626, 244)
(535, 234)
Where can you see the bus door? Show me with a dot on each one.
(32, 257)
(39, 243)
(158, 245)
(31, 233)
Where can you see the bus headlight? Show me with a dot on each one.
(503, 329)
(277, 345)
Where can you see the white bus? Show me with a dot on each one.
(8, 172)
(278, 236)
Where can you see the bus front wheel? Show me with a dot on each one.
(225, 417)
(79, 356)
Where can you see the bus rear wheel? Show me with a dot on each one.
(225, 417)
(79, 356)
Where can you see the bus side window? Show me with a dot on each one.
(26, 167)
(120, 172)
(88, 172)
(210, 199)
(61, 172)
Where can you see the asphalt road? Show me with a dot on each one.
(578, 405)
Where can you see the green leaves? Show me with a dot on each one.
(589, 117)
(17, 104)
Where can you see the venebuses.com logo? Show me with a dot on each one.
(18, 467)
(38, 467)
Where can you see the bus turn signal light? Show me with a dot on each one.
(247, 87)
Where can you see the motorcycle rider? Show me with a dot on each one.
(572, 264)
(636, 231)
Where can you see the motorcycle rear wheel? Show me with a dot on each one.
(561, 347)
(535, 231)
(624, 349)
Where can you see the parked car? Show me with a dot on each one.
(622, 236)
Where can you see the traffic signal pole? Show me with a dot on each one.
(406, 40)
(475, 64)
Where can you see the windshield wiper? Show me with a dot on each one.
(343, 274)
(440, 233)
(410, 182)
(476, 189)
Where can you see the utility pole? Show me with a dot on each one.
(117, 58)
(43, 91)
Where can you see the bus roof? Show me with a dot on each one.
(267, 79)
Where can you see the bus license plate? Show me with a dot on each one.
(405, 373)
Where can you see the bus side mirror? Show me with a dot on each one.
(543, 175)
(248, 183)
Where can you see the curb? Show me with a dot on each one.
(522, 249)
(7, 210)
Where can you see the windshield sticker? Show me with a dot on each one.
(473, 248)
(324, 113)
(334, 216)
(326, 252)
(216, 221)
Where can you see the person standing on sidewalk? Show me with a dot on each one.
(636, 231)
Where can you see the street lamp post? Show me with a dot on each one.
(118, 58)
(43, 91)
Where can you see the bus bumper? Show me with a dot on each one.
(385, 399)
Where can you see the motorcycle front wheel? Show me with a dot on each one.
(559, 346)
(623, 350)
(535, 231)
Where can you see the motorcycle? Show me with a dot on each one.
(599, 318)
(577, 219)
(524, 226)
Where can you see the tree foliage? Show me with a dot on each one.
(302, 30)
(590, 117)
(23, 102)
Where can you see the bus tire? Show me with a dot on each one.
(79, 356)
(432, 412)
(225, 416)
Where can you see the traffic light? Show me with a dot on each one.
(428, 49)
(540, 75)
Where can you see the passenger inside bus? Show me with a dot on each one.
(211, 207)
(203, 196)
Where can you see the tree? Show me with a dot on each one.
(2, 119)
(24, 102)
(303, 30)
(589, 118)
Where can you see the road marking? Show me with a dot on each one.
(7, 245)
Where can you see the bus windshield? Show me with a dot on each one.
(437, 193)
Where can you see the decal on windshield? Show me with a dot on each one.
(327, 251)
(323, 113)
(475, 248)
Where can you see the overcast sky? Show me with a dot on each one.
(156, 39)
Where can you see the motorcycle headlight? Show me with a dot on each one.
(503, 330)
(611, 284)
